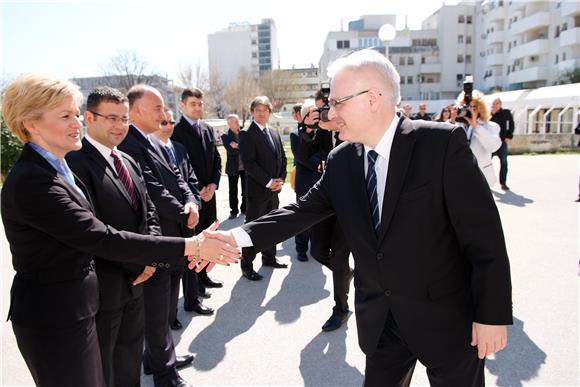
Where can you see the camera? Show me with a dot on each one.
(323, 110)
(463, 112)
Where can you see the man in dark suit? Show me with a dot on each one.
(117, 190)
(199, 140)
(234, 166)
(422, 113)
(265, 163)
(432, 275)
(177, 210)
(177, 157)
(505, 120)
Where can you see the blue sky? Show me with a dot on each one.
(77, 38)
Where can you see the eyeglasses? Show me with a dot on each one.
(113, 119)
(164, 122)
(335, 102)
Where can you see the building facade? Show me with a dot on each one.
(243, 45)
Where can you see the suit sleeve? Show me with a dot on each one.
(249, 155)
(511, 127)
(477, 224)
(283, 223)
(284, 165)
(312, 162)
(192, 181)
(49, 208)
(229, 150)
(217, 161)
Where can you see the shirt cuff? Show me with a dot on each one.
(270, 183)
(242, 238)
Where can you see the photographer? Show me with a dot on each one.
(482, 134)
(318, 137)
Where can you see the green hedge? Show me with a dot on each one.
(10, 149)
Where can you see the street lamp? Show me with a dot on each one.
(387, 33)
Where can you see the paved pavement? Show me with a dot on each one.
(268, 332)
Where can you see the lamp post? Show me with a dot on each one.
(386, 34)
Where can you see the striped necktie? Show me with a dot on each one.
(372, 190)
(125, 179)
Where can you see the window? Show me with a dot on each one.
(254, 54)
(468, 39)
(402, 80)
(467, 58)
(422, 60)
(459, 77)
(460, 39)
(468, 19)
(459, 58)
(410, 80)
(461, 19)
(556, 58)
(557, 31)
(401, 61)
(253, 42)
(343, 44)
(564, 26)
(410, 60)
(563, 56)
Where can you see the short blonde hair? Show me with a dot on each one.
(477, 98)
(30, 96)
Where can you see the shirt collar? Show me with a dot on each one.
(142, 132)
(54, 161)
(386, 142)
(103, 150)
(260, 126)
(191, 122)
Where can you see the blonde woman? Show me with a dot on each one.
(53, 236)
(482, 134)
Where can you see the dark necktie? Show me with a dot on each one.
(171, 153)
(372, 190)
(125, 179)
(196, 128)
(272, 147)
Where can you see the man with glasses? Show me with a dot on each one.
(432, 275)
(115, 183)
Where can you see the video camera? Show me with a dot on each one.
(463, 112)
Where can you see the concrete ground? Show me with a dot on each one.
(268, 332)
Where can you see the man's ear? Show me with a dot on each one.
(374, 99)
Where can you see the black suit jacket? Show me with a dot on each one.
(112, 205)
(202, 152)
(439, 262)
(260, 163)
(233, 160)
(165, 185)
(505, 120)
(53, 235)
(307, 170)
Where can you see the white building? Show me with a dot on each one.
(243, 45)
(526, 44)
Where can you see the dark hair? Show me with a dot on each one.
(193, 92)
(318, 95)
(297, 108)
(261, 100)
(104, 94)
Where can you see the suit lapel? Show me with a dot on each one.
(358, 182)
(401, 153)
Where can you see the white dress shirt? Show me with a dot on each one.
(381, 168)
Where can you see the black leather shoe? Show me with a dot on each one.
(209, 283)
(182, 361)
(233, 216)
(505, 187)
(179, 382)
(199, 308)
(302, 257)
(251, 275)
(274, 263)
(335, 321)
(176, 325)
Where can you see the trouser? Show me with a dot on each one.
(302, 238)
(328, 246)
(392, 364)
(175, 277)
(207, 215)
(502, 153)
(255, 209)
(233, 183)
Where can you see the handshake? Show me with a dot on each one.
(211, 247)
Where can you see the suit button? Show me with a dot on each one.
(379, 256)
(387, 293)
(167, 265)
(154, 264)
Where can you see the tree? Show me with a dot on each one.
(275, 84)
(125, 69)
(10, 148)
(572, 76)
(192, 76)
(215, 105)
(240, 92)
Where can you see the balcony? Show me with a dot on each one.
(494, 60)
(535, 47)
(498, 13)
(430, 68)
(570, 65)
(570, 8)
(570, 37)
(430, 87)
(495, 37)
(493, 81)
(530, 74)
(531, 22)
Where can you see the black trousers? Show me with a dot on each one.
(393, 363)
(303, 238)
(233, 183)
(191, 279)
(120, 333)
(66, 356)
(328, 246)
(159, 354)
(175, 280)
(255, 209)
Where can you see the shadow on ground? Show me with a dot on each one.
(511, 198)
